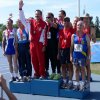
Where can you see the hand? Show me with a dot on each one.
(48, 20)
(87, 61)
(71, 59)
(21, 4)
(43, 49)
(4, 53)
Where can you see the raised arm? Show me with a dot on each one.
(22, 16)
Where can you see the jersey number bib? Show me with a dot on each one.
(49, 35)
(78, 47)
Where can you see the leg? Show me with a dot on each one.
(15, 65)
(58, 66)
(88, 70)
(70, 69)
(53, 63)
(41, 59)
(22, 59)
(47, 59)
(70, 66)
(28, 61)
(62, 55)
(34, 59)
(9, 58)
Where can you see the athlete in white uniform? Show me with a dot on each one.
(9, 45)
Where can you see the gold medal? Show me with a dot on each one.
(34, 32)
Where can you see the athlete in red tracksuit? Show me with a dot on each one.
(37, 44)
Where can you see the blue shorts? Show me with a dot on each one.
(10, 51)
(79, 62)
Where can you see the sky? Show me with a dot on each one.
(70, 6)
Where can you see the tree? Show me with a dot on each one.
(97, 27)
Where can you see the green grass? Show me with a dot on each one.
(95, 68)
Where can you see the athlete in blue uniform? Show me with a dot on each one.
(9, 48)
(25, 67)
(80, 51)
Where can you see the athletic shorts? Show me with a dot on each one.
(64, 55)
(79, 62)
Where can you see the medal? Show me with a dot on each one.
(34, 32)
(65, 41)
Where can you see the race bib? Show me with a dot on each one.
(49, 35)
(11, 35)
(78, 47)
(24, 37)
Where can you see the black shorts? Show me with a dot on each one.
(64, 55)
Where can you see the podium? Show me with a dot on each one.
(47, 88)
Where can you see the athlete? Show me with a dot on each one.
(80, 51)
(52, 45)
(64, 52)
(90, 31)
(9, 48)
(25, 67)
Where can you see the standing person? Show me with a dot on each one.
(90, 31)
(61, 16)
(9, 48)
(64, 52)
(52, 45)
(76, 19)
(37, 44)
(25, 67)
(80, 51)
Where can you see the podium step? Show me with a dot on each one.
(45, 87)
(74, 94)
(20, 87)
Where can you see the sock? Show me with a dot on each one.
(76, 83)
(64, 80)
(16, 74)
(70, 81)
(12, 74)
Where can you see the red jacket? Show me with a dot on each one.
(38, 30)
(65, 38)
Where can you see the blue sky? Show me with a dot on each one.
(70, 6)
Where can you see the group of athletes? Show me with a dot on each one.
(36, 41)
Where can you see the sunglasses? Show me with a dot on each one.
(48, 17)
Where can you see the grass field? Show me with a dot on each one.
(95, 68)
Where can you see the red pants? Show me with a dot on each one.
(38, 58)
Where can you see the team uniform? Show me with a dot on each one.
(25, 67)
(65, 43)
(9, 36)
(80, 50)
(52, 48)
(38, 41)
